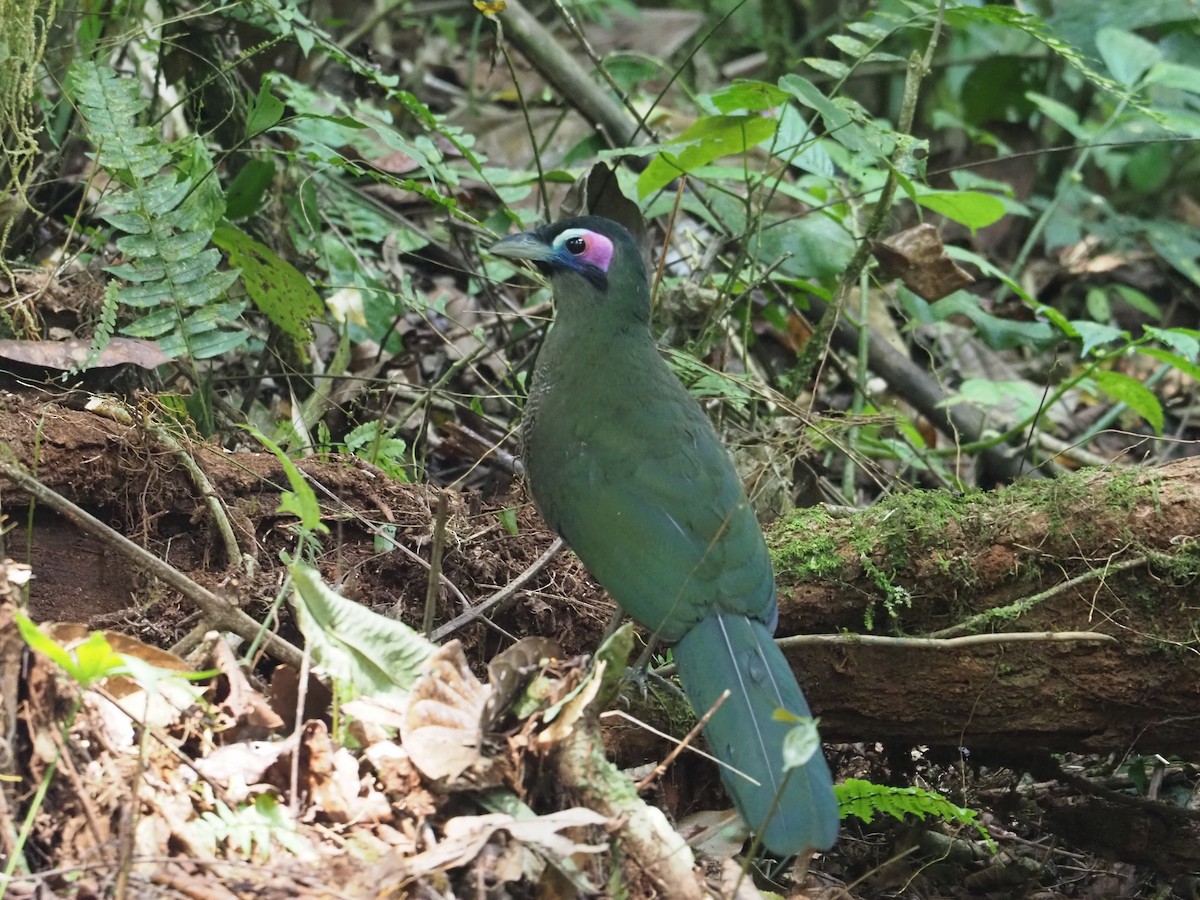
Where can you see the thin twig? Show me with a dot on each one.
(435, 563)
(500, 596)
(954, 643)
(621, 714)
(681, 745)
(1022, 606)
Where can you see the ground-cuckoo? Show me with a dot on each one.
(625, 465)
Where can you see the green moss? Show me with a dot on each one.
(805, 548)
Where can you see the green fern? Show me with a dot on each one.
(167, 215)
(865, 800)
(104, 327)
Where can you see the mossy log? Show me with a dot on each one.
(1113, 553)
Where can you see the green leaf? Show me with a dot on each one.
(1139, 301)
(300, 501)
(801, 742)
(1095, 335)
(747, 96)
(1185, 366)
(1127, 55)
(709, 138)
(90, 661)
(43, 643)
(1184, 341)
(369, 654)
(973, 209)
(265, 110)
(280, 291)
(1175, 75)
(1058, 113)
(1133, 394)
(245, 193)
(1014, 401)
(999, 334)
(831, 67)
(508, 518)
(815, 246)
(850, 46)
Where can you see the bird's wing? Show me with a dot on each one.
(662, 523)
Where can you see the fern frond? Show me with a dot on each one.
(866, 799)
(170, 270)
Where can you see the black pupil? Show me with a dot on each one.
(576, 245)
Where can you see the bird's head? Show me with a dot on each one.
(589, 257)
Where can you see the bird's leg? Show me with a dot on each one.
(643, 660)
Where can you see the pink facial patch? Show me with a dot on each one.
(598, 250)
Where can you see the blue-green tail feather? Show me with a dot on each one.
(735, 652)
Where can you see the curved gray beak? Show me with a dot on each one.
(522, 246)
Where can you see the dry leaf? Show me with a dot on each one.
(918, 258)
(441, 726)
(64, 355)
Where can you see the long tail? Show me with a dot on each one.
(734, 652)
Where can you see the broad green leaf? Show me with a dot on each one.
(369, 654)
(1177, 244)
(1058, 113)
(1139, 301)
(265, 110)
(852, 47)
(1184, 341)
(1098, 306)
(1133, 394)
(43, 643)
(747, 96)
(245, 193)
(1094, 334)
(997, 333)
(973, 209)
(1175, 75)
(1127, 55)
(709, 138)
(280, 291)
(830, 67)
(1013, 401)
(838, 122)
(1185, 366)
(86, 663)
(815, 246)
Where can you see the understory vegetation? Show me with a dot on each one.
(896, 247)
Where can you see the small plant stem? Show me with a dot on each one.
(817, 345)
(433, 585)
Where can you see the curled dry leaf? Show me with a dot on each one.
(241, 769)
(918, 257)
(331, 780)
(442, 725)
(466, 836)
(510, 671)
(247, 709)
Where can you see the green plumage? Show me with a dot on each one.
(624, 464)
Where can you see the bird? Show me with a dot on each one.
(626, 467)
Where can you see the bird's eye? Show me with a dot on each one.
(576, 245)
